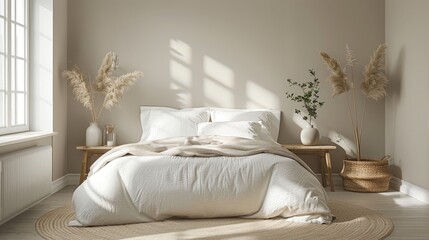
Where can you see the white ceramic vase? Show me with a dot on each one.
(309, 135)
(93, 135)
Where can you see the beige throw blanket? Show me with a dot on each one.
(197, 146)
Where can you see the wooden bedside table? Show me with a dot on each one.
(320, 150)
(87, 153)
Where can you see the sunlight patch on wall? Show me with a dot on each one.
(180, 72)
(219, 72)
(45, 72)
(260, 97)
(184, 97)
(45, 38)
(345, 143)
(219, 83)
(297, 119)
(41, 65)
(180, 50)
(218, 94)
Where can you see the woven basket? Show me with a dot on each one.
(366, 175)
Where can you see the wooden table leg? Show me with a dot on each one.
(88, 163)
(329, 166)
(83, 166)
(322, 168)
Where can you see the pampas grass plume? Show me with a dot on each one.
(118, 86)
(373, 86)
(109, 63)
(80, 89)
(351, 61)
(338, 78)
(375, 81)
(111, 87)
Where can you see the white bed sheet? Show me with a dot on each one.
(134, 189)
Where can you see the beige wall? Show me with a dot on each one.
(407, 107)
(222, 53)
(48, 99)
(59, 166)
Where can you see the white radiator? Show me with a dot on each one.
(26, 177)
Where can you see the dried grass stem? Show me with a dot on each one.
(109, 86)
(373, 86)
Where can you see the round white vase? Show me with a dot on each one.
(309, 136)
(93, 135)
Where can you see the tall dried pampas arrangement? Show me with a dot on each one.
(109, 86)
(373, 85)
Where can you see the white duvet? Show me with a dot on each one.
(199, 177)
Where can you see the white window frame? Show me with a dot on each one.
(10, 101)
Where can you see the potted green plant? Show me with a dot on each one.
(361, 174)
(309, 98)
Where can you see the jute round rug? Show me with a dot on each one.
(352, 222)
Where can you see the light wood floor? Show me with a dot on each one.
(410, 216)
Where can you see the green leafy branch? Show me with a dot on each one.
(309, 97)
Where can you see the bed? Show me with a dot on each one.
(201, 163)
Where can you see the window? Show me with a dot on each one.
(13, 66)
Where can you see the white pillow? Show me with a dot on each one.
(270, 119)
(244, 129)
(164, 122)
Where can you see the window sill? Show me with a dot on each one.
(23, 137)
